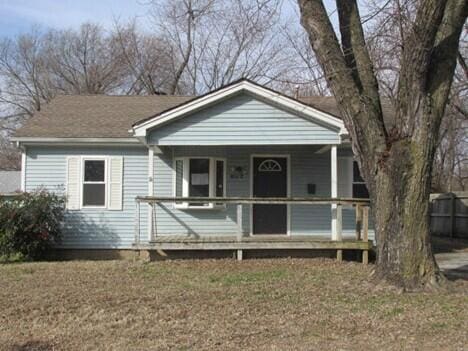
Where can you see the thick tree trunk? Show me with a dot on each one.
(401, 216)
(395, 160)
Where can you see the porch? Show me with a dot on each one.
(242, 169)
(335, 240)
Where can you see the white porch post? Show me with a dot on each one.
(150, 192)
(334, 191)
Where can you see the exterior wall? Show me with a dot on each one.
(243, 120)
(306, 167)
(99, 228)
(92, 228)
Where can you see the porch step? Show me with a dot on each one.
(173, 242)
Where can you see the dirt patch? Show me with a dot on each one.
(280, 304)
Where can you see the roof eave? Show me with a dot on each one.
(74, 141)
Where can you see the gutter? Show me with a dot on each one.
(75, 141)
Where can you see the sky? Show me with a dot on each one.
(19, 16)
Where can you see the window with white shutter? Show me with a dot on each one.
(94, 182)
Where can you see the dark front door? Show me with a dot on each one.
(270, 179)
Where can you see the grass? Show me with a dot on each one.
(282, 304)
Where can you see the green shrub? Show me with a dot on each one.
(29, 224)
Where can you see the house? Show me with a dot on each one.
(10, 181)
(142, 171)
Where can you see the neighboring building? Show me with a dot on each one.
(242, 140)
(10, 181)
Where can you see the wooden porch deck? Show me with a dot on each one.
(304, 242)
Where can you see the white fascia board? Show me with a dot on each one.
(267, 94)
(74, 141)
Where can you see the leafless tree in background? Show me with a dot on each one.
(305, 76)
(216, 42)
(86, 61)
(24, 86)
(147, 58)
(24, 78)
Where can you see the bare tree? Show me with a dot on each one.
(216, 42)
(451, 158)
(396, 161)
(24, 81)
(388, 23)
(85, 61)
(147, 59)
(176, 22)
(10, 159)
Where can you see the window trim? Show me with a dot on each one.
(106, 181)
(185, 182)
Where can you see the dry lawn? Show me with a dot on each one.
(281, 304)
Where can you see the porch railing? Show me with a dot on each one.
(361, 206)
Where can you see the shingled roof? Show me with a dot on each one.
(95, 116)
(109, 116)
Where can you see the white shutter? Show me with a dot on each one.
(73, 182)
(115, 183)
(179, 177)
(345, 176)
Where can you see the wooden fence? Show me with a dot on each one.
(449, 214)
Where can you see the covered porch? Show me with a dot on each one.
(243, 168)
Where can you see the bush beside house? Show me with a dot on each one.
(29, 224)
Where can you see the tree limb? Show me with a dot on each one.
(414, 66)
(364, 125)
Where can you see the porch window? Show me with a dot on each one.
(359, 185)
(94, 183)
(199, 177)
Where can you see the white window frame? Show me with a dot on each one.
(352, 179)
(106, 181)
(211, 182)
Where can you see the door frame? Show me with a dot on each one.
(288, 191)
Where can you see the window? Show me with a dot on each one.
(199, 177)
(94, 183)
(269, 166)
(219, 178)
(359, 185)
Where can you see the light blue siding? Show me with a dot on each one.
(92, 228)
(306, 167)
(243, 120)
(99, 228)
